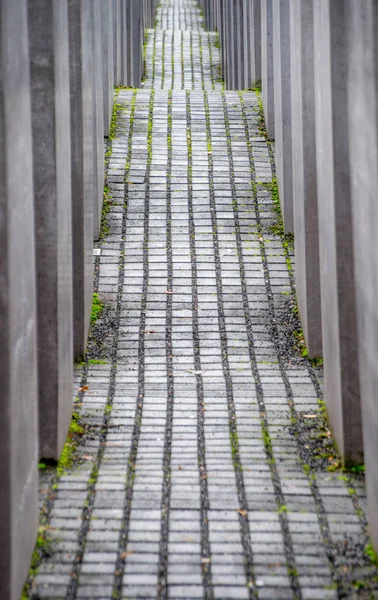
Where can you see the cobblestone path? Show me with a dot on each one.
(200, 473)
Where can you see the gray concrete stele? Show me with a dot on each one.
(18, 351)
(305, 193)
(339, 319)
(48, 42)
(80, 22)
(282, 109)
(267, 68)
(363, 146)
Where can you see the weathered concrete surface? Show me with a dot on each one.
(48, 45)
(107, 35)
(267, 67)
(342, 387)
(80, 21)
(18, 352)
(305, 202)
(135, 36)
(363, 147)
(117, 29)
(98, 118)
(282, 110)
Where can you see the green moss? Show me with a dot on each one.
(43, 550)
(75, 433)
(97, 308)
(371, 554)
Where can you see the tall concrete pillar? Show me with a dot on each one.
(339, 327)
(305, 201)
(48, 45)
(136, 41)
(18, 352)
(267, 68)
(125, 42)
(80, 22)
(117, 39)
(282, 109)
(98, 118)
(107, 34)
(363, 147)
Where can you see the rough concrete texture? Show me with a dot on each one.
(282, 110)
(198, 477)
(48, 46)
(363, 147)
(305, 203)
(18, 367)
(107, 36)
(98, 117)
(267, 67)
(117, 29)
(340, 350)
(80, 23)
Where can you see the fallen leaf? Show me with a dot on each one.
(179, 468)
(168, 292)
(87, 457)
(126, 554)
(84, 388)
(149, 331)
(205, 561)
(243, 513)
(309, 416)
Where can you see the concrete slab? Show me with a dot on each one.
(48, 45)
(117, 33)
(18, 352)
(307, 275)
(98, 118)
(339, 322)
(267, 68)
(80, 21)
(282, 109)
(363, 148)
(107, 35)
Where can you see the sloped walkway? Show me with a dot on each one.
(203, 470)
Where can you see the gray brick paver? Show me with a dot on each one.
(184, 498)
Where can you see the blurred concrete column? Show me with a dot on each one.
(339, 319)
(305, 193)
(18, 352)
(50, 95)
(80, 23)
(363, 147)
(282, 109)
(267, 69)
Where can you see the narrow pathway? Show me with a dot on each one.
(203, 470)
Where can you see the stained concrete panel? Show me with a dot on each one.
(80, 22)
(48, 45)
(251, 43)
(98, 118)
(267, 67)
(363, 147)
(117, 40)
(282, 109)
(108, 60)
(307, 275)
(135, 35)
(18, 352)
(125, 42)
(339, 327)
